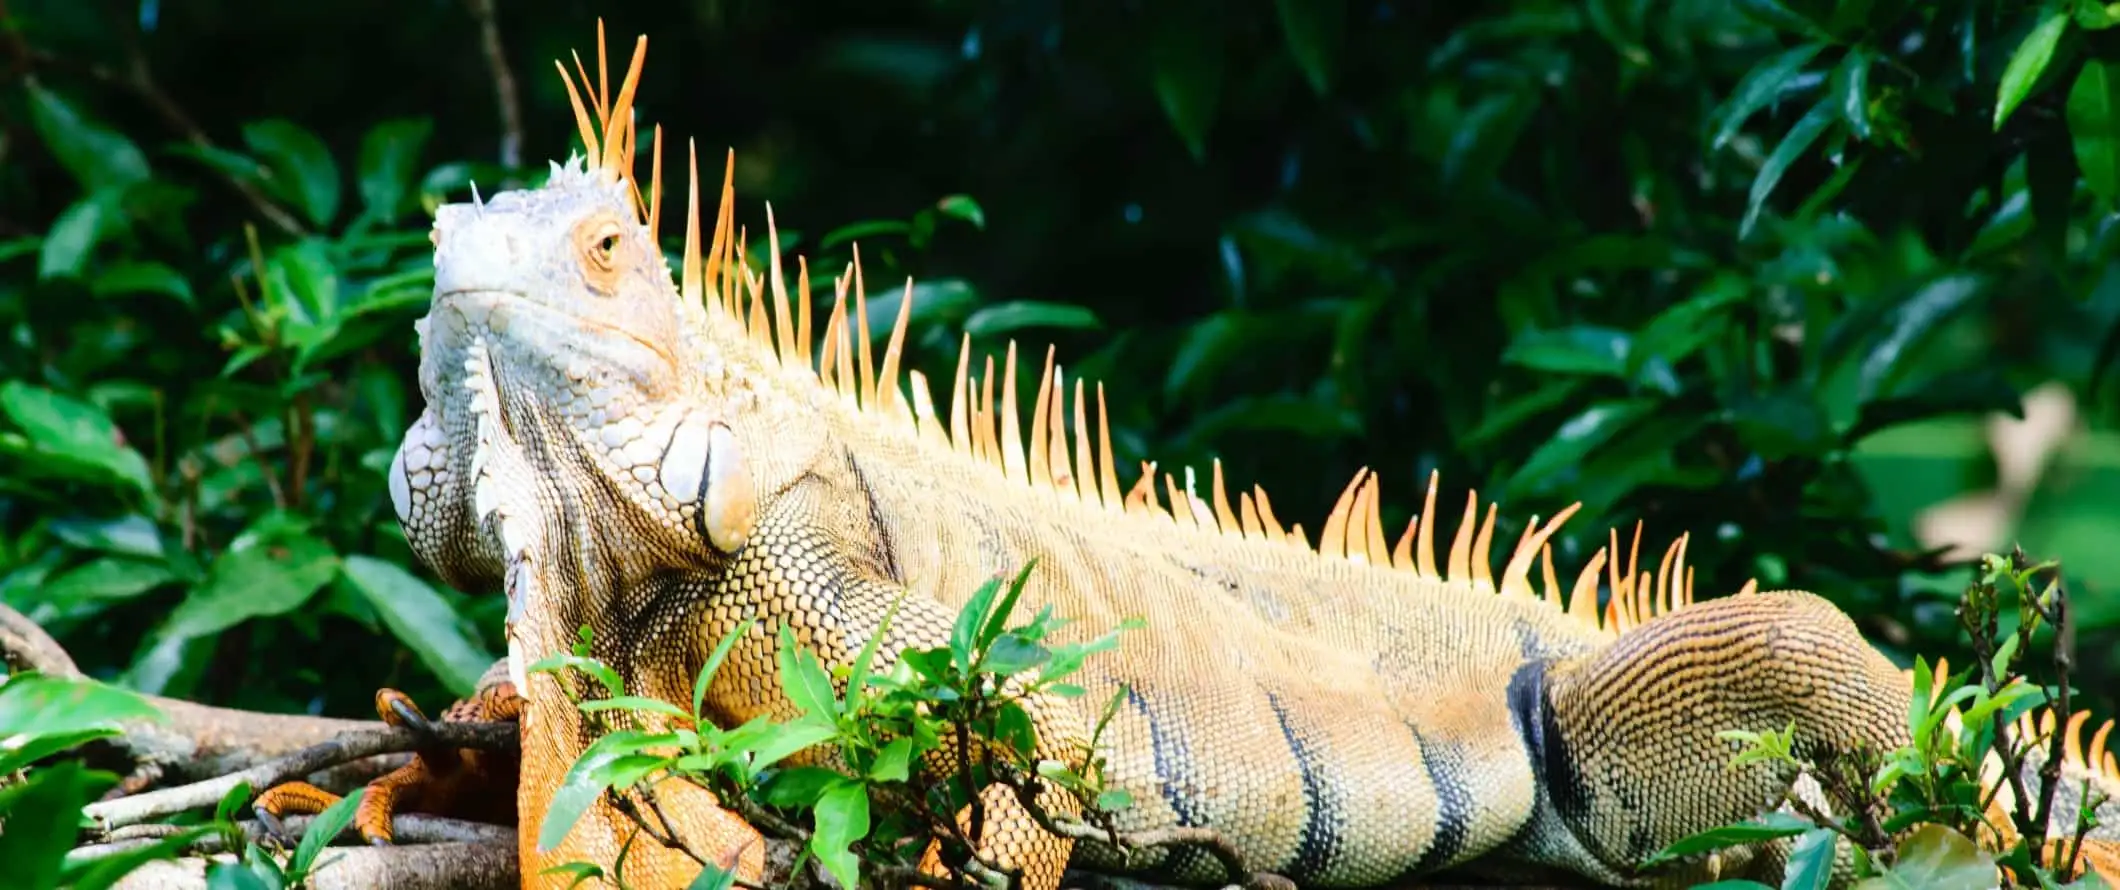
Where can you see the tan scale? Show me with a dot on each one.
(1352, 712)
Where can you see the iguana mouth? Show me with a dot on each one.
(490, 299)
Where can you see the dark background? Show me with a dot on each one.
(1766, 272)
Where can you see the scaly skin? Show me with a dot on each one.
(659, 462)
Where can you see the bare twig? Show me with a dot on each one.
(498, 737)
(423, 867)
(504, 91)
(406, 829)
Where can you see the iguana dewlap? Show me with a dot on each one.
(658, 459)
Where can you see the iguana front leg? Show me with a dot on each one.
(834, 595)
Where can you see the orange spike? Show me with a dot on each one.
(1040, 458)
(1180, 505)
(1379, 552)
(960, 420)
(655, 192)
(783, 331)
(1011, 432)
(1248, 511)
(861, 320)
(1402, 553)
(802, 310)
(1332, 539)
(581, 115)
(1085, 458)
(894, 352)
(1062, 466)
(694, 289)
(1107, 461)
(1424, 546)
(1224, 516)
(1266, 517)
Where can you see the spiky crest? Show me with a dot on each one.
(1056, 453)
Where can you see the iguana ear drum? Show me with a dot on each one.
(728, 504)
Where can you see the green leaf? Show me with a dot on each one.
(65, 432)
(299, 169)
(73, 237)
(420, 618)
(388, 166)
(141, 277)
(894, 762)
(606, 759)
(1313, 29)
(41, 816)
(1185, 59)
(2028, 62)
(326, 827)
(634, 703)
(964, 634)
(1793, 145)
(1784, 423)
(804, 678)
(99, 157)
(1935, 857)
(963, 207)
(788, 739)
(1852, 79)
(1768, 827)
(1577, 437)
(273, 576)
(96, 585)
(1910, 324)
(36, 705)
(602, 673)
(842, 817)
(1581, 349)
(714, 660)
(1759, 88)
(713, 877)
(798, 787)
(1780, 17)
(2094, 127)
(1810, 865)
(1003, 318)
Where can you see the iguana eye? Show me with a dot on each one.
(597, 240)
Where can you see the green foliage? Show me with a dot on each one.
(858, 740)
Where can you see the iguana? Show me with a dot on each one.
(657, 459)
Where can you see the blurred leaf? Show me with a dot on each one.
(1909, 324)
(301, 170)
(1760, 87)
(422, 620)
(2094, 128)
(42, 815)
(1977, 392)
(1934, 857)
(1793, 145)
(1810, 865)
(964, 208)
(129, 535)
(73, 237)
(142, 277)
(1004, 318)
(2028, 62)
(1576, 438)
(100, 158)
(1852, 79)
(1582, 349)
(1484, 137)
(1185, 58)
(94, 586)
(1780, 17)
(389, 159)
(68, 435)
(272, 576)
(1782, 424)
(1313, 29)
(38, 704)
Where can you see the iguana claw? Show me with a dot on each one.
(442, 781)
